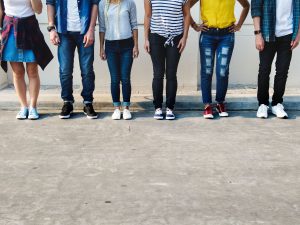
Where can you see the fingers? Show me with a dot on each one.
(147, 48)
(181, 46)
(55, 40)
(88, 42)
(260, 47)
(232, 29)
(204, 28)
(294, 44)
(102, 56)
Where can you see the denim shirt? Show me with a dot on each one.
(85, 12)
(266, 10)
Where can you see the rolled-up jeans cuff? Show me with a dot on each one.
(71, 101)
(87, 102)
(117, 104)
(126, 104)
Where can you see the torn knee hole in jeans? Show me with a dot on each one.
(207, 52)
(223, 72)
(208, 70)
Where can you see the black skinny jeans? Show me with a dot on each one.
(165, 61)
(282, 46)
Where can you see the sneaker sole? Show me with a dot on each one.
(280, 117)
(208, 117)
(170, 118)
(21, 118)
(33, 118)
(262, 117)
(90, 117)
(158, 118)
(223, 115)
(65, 117)
(220, 114)
(127, 118)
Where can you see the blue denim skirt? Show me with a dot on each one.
(12, 54)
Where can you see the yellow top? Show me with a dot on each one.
(218, 13)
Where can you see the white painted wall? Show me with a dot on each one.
(244, 64)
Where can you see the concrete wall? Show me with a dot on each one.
(244, 64)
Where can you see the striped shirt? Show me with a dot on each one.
(167, 18)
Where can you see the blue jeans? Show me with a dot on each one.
(119, 59)
(211, 46)
(66, 50)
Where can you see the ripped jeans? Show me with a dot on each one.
(220, 45)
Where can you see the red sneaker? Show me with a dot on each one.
(208, 112)
(222, 110)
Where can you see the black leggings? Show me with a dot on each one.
(165, 61)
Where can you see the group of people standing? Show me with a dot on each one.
(72, 26)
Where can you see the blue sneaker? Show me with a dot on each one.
(158, 115)
(33, 114)
(22, 115)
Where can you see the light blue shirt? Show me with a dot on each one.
(119, 21)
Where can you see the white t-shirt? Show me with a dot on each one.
(18, 8)
(73, 19)
(284, 17)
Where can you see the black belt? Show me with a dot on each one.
(218, 31)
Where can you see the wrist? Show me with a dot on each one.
(92, 29)
(51, 28)
(257, 32)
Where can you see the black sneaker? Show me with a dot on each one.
(89, 111)
(66, 110)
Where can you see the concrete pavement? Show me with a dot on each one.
(235, 171)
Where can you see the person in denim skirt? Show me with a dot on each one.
(119, 29)
(72, 25)
(277, 32)
(23, 42)
(217, 41)
(166, 31)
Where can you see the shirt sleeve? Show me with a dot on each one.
(256, 8)
(101, 17)
(96, 2)
(50, 2)
(133, 16)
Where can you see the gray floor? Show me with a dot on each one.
(235, 171)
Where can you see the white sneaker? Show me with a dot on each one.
(169, 114)
(262, 111)
(116, 115)
(22, 115)
(127, 114)
(278, 111)
(33, 114)
(158, 115)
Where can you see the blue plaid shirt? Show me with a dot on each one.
(61, 10)
(266, 10)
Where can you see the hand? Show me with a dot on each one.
(135, 52)
(182, 44)
(199, 28)
(89, 38)
(259, 42)
(235, 27)
(54, 38)
(147, 46)
(295, 43)
(102, 54)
